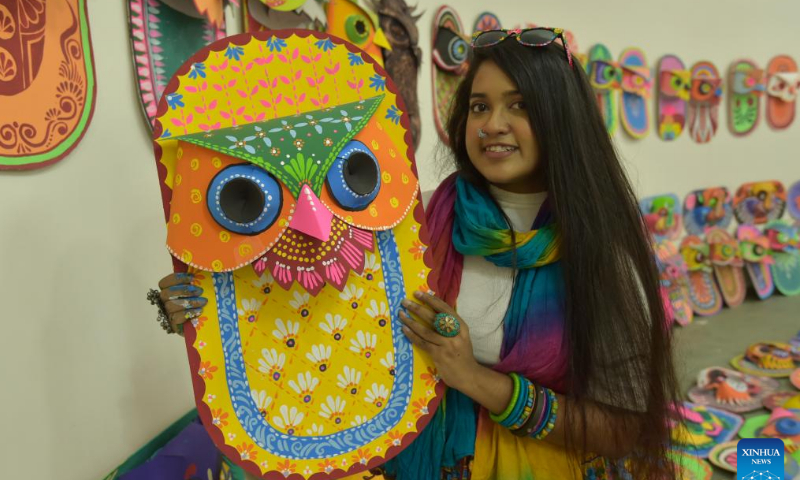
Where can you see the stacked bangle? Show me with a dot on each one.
(532, 410)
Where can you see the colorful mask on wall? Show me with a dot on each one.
(727, 263)
(759, 202)
(704, 295)
(793, 202)
(703, 428)
(746, 85)
(605, 78)
(357, 23)
(662, 216)
(486, 21)
(290, 191)
(673, 275)
(164, 35)
(637, 83)
(783, 82)
(450, 50)
(704, 101)
(768, 359)
(755, 251)
(47, 82)
(709, 207)
(674, 90)
(399, 24)
(784, 242)
(268, 15)
(731, 390)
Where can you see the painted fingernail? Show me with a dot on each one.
(184, 276)
(419, 294)
(406, 302)
(405, 329)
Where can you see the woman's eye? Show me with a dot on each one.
(478, 107)
(518, 105)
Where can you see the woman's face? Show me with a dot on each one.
(508, 156)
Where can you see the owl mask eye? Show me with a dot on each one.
(244, 199)
(354, 179)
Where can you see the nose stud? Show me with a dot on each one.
(482, 134)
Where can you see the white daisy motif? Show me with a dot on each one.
(388, 362)
(358, 420)
(262, 401)
(271, 363)
(264, 282)
(320, 355)
(352, 295)
(315, 430)
(249, 310)
(364, 343)
(304, 386)
(333, 325)
(231, 436)
(377, 395)
(379, 313)
(300, 303)
(333, 409)
(211, 398)
(289, 419)
(371, 266)
(286, 333)
(350, 380)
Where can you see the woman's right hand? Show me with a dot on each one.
(182, 300)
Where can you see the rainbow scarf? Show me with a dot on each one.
(463, 220)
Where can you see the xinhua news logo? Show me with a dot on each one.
(759, 459)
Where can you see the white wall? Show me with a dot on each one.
(87, 375)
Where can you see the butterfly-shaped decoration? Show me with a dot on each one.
(290, 191)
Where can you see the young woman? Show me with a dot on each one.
(547, 323)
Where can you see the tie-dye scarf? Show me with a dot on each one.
(463, 220)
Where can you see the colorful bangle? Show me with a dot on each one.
(550, 424)
(511, 404)
(530, 399)
(542, 419)
(534, 419)
(519, 407)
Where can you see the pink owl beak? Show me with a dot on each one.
(311, 216)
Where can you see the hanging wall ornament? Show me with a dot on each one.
(704, 295)
(605, 76)
(757, 203)
(357, 22)
(674, 87)
(47, 81)
(449, 50)
(745, 86)
(637, 84)
(709, 207)
(486, 21)
(731, 390)
(704, 101)
(290, 191)
(662, 216)
(755, 250)
(784, 243)
(259, 15)
(402, 62)
(793, 202)
(728, 265)
(163, 36)
(673, 274)
(783, 82)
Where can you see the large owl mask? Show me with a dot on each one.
(290, 191)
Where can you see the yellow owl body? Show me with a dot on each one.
(290, 191)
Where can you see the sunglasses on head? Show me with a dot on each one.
(530, 37)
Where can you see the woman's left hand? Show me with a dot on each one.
(453, 357)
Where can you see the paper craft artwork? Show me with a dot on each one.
(782, 423)
(730, 390)
(450, 50)
(783, 82)
(759, 202)
(637, 85)
(47, 81)
(746, 85)
(724, 456)
(794, 378)
(704, 295)
(662, 216)
(709, 207)
(402, 62)
(259, 15)
(605, 77)
(793, 202)
(673, 276)
(486, 21)
(754, 247)
(784, 242)
(704, 101)
(290, 191)
(674, 87)
(768, 359)
(163, 37)
(703, 428)
(690, 467)
(728, 265)
(782, 399)
(357, 22)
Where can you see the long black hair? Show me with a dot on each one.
(615, 325)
